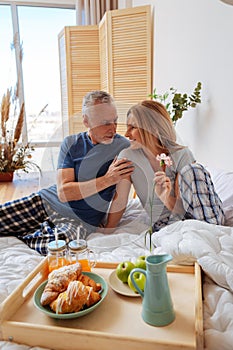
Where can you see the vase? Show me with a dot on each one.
(6, 177)
(148, 240)
(157, 305)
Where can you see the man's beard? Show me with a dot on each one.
(107, 142)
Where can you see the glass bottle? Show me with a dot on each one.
(79, 252)
(57, 255)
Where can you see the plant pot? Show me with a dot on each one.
(6, 177)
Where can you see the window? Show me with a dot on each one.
(38, 30)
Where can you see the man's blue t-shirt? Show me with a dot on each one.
(89, 161)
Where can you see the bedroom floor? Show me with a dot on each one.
(24, 185)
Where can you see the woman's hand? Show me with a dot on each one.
(163, 189)
(162, 186)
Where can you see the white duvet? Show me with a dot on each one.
(187, 241)
(212, 247)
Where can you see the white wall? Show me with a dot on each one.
(193, 41)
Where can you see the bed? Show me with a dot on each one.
(188, 241)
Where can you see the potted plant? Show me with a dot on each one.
(14, 155)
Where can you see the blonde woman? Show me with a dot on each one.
(183, 191)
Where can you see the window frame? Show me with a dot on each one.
(69, 4)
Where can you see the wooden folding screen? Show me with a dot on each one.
(115, 56)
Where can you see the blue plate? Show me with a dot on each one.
(46, 309)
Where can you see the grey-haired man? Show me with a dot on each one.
(87, 173)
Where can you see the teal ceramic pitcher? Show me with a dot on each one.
(157, 306)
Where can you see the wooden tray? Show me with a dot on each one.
(115, 324)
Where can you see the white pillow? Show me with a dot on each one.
(223, 183)
(228, 211)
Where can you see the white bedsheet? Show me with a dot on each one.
(188, 241)
(16, 262)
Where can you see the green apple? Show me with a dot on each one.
(141, 262)
(123, 270)
(140, 280)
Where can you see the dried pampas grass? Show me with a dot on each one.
(5, 111)
(19, 125)
(13, 156)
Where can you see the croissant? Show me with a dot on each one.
(87, 281)
(58, 281)
(75, 298)
(93, 297)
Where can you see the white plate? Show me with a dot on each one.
(120, 287)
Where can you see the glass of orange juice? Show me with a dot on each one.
(79, 252)
(57, 255)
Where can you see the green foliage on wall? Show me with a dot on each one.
(177, 103)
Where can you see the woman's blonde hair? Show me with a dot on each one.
(155, 126)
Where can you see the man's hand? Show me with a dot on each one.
(118, 170)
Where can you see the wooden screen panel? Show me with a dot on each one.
(104, 82)
(82, 70)
(130, 57)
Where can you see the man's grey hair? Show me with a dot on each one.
(95, 97)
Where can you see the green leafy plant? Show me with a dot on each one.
(177, 103)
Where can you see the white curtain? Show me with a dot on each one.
(90, 12)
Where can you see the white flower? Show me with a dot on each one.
(164, 160)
